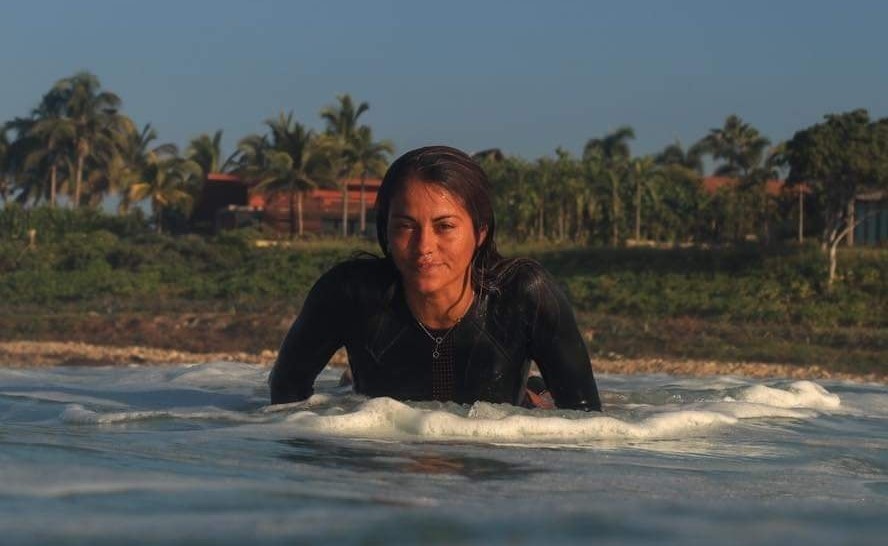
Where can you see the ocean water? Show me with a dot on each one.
(191, 454)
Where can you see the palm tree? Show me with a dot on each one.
(596, 188)
(5, 171)
(541, 175)
(94, 116)
(737, 144)
(206, 151)
(42, 148)
(742, 151)
(512, 181)
(613, 153)
(369, 158)
(116, 168)
(288, 160)
(614, 146)
(26, 184)
(166, 182)
(135, 156)
(341, 133)
(56, 136)
(675, 154)
(571, 192)
(646, 173)
(681, 192)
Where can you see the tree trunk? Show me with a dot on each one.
(801, 215)
(637, 210)
(299, 212)
(363, 206)
(540, 221)
(345, 208)
(578, 233)
(53, 173)
(292, 221)
(561, 221)
(832, 264)
(837, 234)
(78, 179)
(615, 229)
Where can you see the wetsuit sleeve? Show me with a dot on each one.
(315, 335)
(558, 348)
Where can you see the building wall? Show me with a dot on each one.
(216, 196)
(873, 227)
(229, 201)
(321, 211)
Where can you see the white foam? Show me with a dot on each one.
(216, 374)
(800, 394)
(76, 414)
(384, 417)
(388, 418)
(655, 413)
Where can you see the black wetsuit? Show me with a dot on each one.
(359, 304)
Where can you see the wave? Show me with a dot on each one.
(388, 418)
(650, 416)
(78, 415)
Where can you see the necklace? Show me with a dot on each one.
(436, 352)
(439, 339)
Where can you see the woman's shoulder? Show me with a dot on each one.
(520, 276)
(527, 292)
(360, 275)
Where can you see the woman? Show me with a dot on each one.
(441, 316)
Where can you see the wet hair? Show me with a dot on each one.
(460, 175)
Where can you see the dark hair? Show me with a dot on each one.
(460, 175)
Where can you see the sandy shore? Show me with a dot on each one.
(27, 354)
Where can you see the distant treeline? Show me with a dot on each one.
(77, 148)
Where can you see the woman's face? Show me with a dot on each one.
(431, 239)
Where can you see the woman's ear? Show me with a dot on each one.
(482, 236)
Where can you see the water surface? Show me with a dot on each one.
(191, 454)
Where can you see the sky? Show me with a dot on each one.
(523, 76)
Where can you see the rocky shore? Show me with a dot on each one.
(25, 354)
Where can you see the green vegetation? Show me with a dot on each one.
(838, 159)
(76, 148)
(742, 302)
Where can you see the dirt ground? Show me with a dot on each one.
(60, 339)
(54, 353)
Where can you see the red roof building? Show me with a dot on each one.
(773, 187)
(229, 201)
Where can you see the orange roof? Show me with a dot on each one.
(774, 186)
(327, 198)
(369, 183)
(225, 177)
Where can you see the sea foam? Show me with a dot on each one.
(388, 418)
(76, 414)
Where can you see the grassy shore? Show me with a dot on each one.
(106, 281)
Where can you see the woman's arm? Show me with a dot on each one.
(315, 335)
(558, 348)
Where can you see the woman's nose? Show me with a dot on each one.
(425, 240)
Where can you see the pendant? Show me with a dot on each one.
(435, 353)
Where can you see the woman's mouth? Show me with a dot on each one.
(426, 266)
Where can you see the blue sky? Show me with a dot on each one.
(523, 76)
